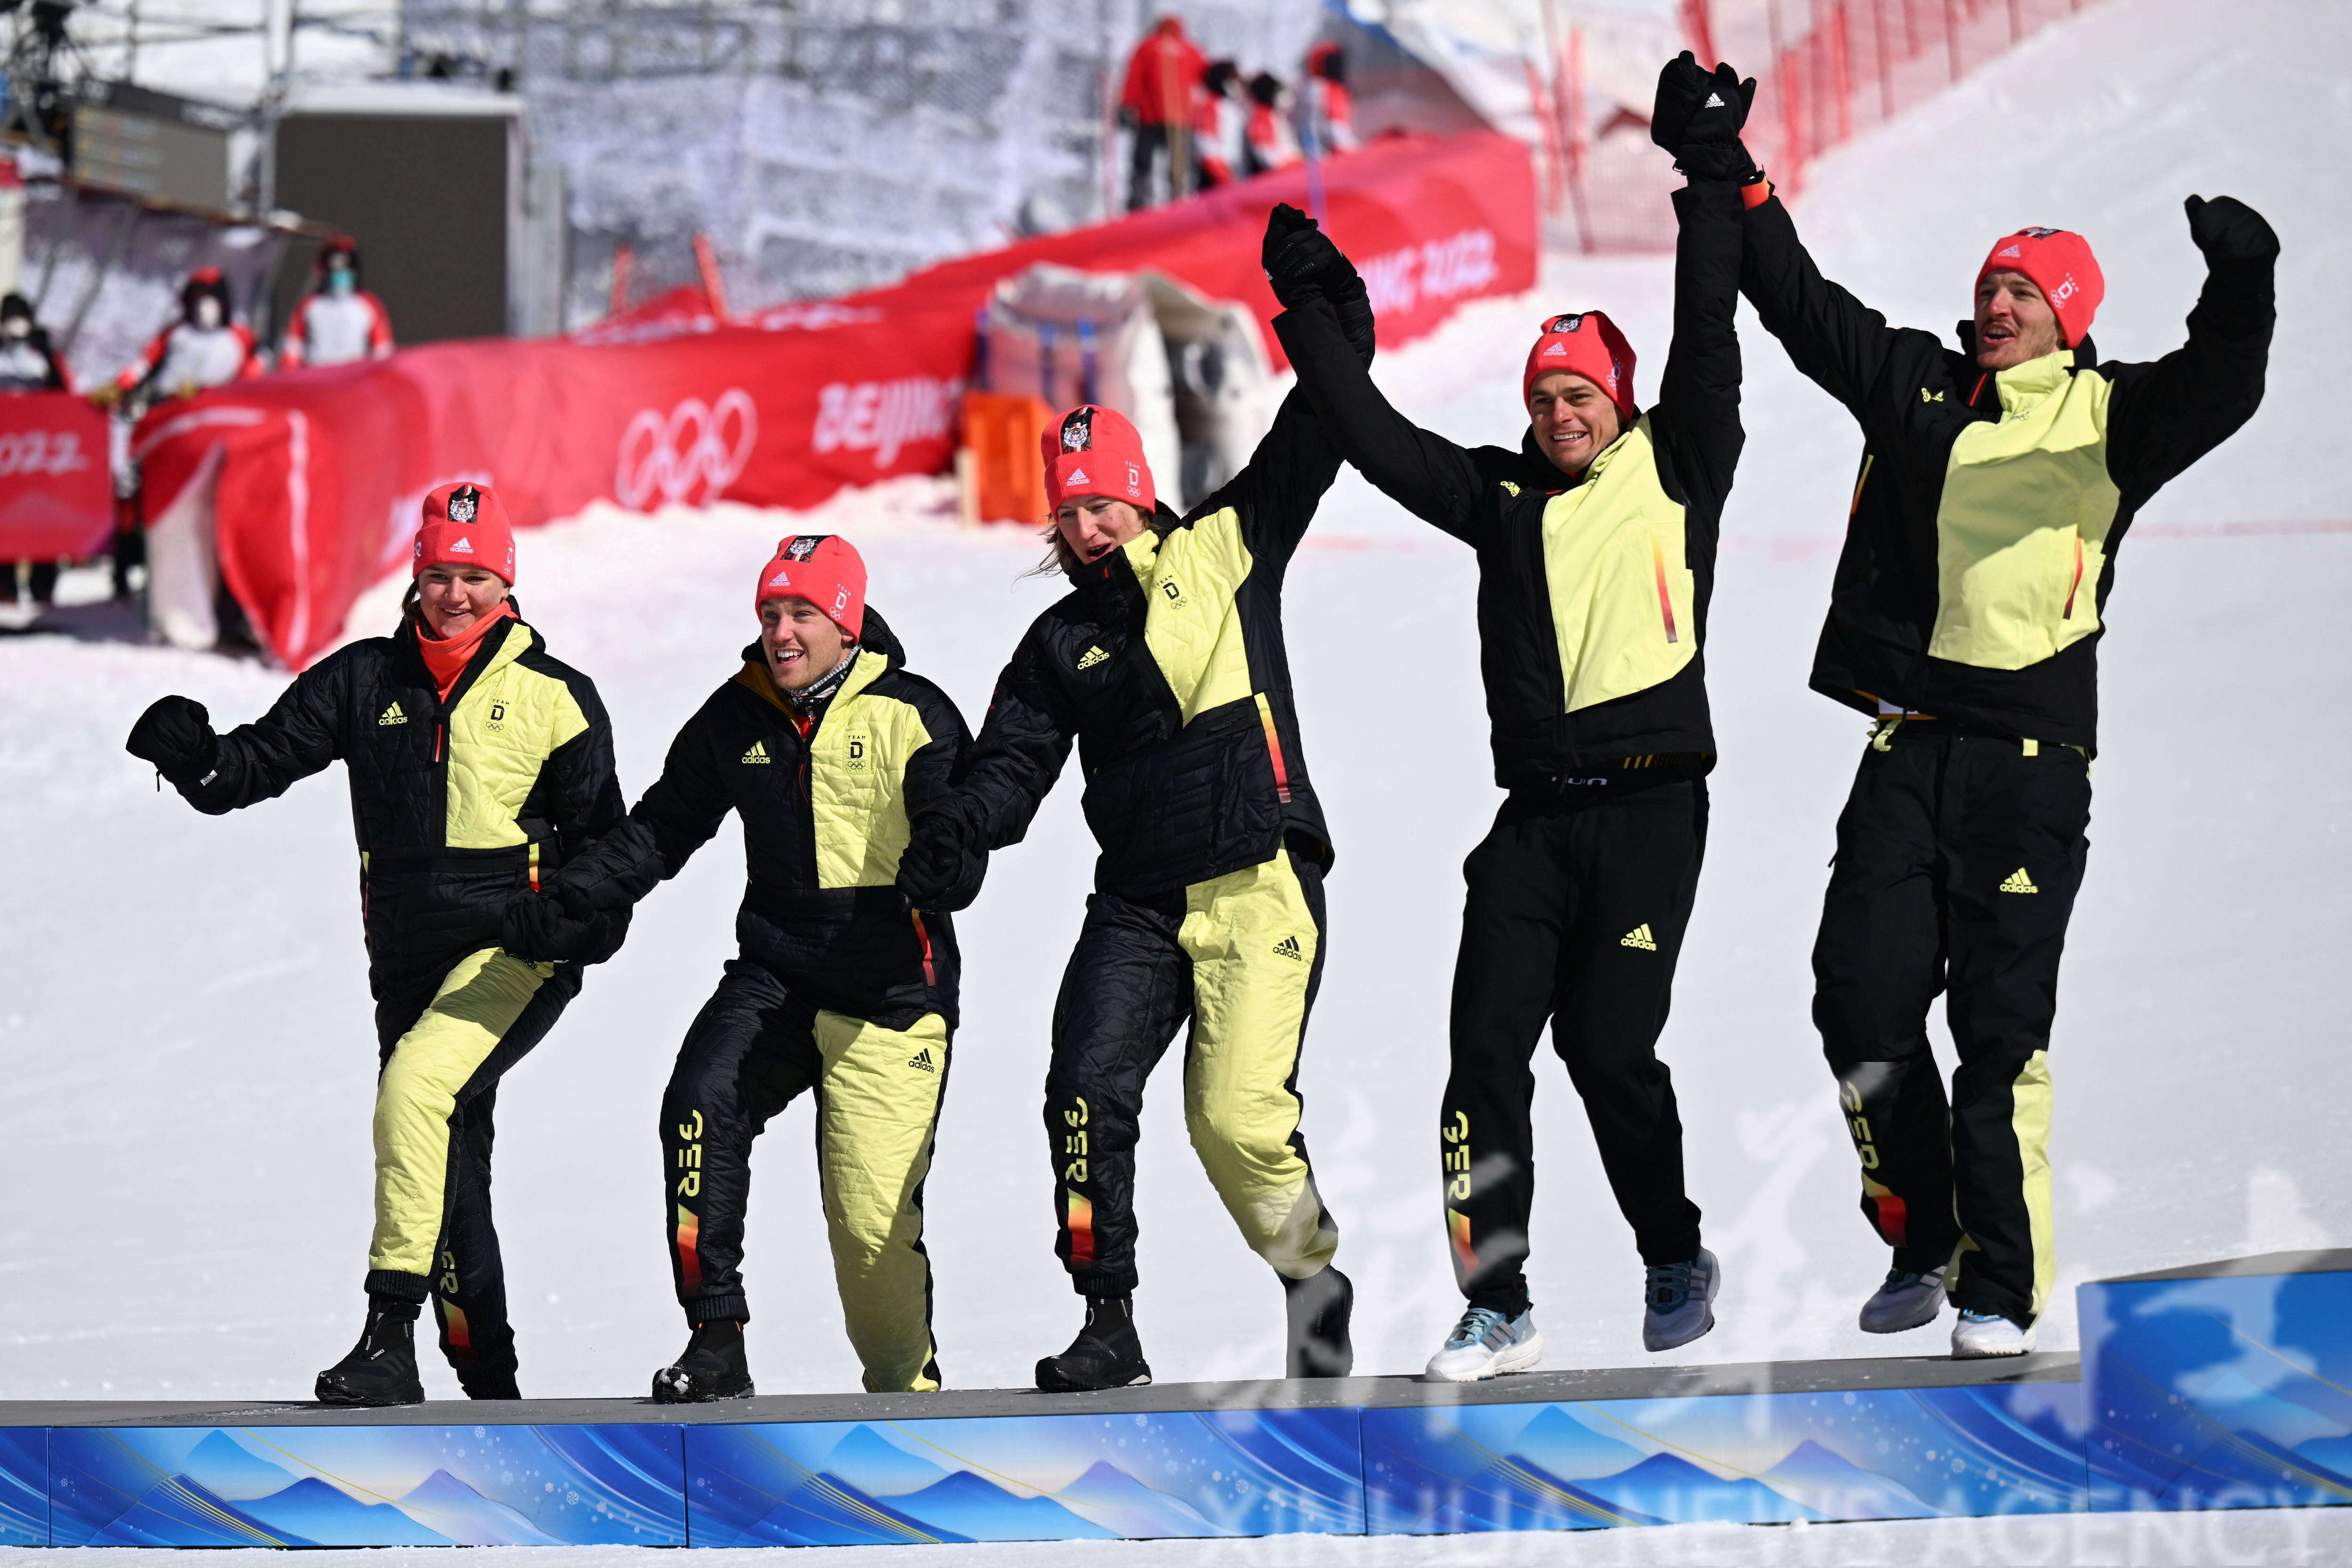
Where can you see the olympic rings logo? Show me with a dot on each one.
(688, 456)
(50, 452)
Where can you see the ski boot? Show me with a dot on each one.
(1106, 1355)
(1987, 1335)
(712, 1366)
(1681, 1298)
(1908, 1299)
(382, 1368)
(1319, 1307)
(1485, 1344)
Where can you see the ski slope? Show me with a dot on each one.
(186, 1037)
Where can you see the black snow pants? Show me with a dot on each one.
(756, 1046)
(1575, 914)
(443, 1045)
(1240, 956)
(1958, 857)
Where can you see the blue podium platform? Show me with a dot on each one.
(2222, 1387)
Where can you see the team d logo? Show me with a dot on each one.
(464, 503)
(1078, 431)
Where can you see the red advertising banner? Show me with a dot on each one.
(322, 472)
(56, 498)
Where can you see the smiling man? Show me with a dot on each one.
(1997, 483)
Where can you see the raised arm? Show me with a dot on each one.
(1277, 492)
(1834, 338)
(2166, 415)
(218, 773)
(1422, 472)
(1698, 398)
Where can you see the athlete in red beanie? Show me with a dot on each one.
(1093, 451)
(2062, 272)
(824, 568)
(465, 525)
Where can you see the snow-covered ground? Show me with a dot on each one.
(184, 1026)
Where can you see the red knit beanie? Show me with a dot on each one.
(824, 568)
(1587, 344)
(465, 525)
(1093, 452)
(2060, 264)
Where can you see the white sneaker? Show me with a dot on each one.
(1485, 1345)
(1988, 1333)
(1906, 1300)
(1679, 1302)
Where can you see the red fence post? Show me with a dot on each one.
(1841, 73)
(1952, 35)
(1885, 77)
(1576, 120)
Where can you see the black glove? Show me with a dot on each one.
(1296, 255)
(1711, 148)
(177, 734)
(2231, 233)
(940, 869)
(1682, 86)
(557, 926)
(1353, 304)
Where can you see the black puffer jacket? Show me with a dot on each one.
(1592, 592)
(457, 805)
(1166, 664)
(826, 809)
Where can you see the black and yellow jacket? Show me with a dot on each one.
(1166, 664)
(1990, 507)
(824, 821)
(1592, 593)
(457, 805)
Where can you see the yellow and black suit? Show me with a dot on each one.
(459, 805)
(1592, 604)
(837, 985)
(1165, 664)
(1966, 614)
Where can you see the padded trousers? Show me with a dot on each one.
(1574, 916)
(1240, 958)
(443, 1054)
(753, 1050)
(1958, 858)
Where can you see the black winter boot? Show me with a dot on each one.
(712, 1366)
(1320, 1307)
(1106, 1355)
(382, 1368)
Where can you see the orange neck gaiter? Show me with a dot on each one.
(446, 658)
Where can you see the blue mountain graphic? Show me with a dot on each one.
(827, 1510)
(1674, 1490)
(1567, 1447)
(1126, 1507)
(442, 1502)
(978, 1508)
(1532, 1489)
(322, 1514)
(225, 1468)
(879, 1466)
(1835, 1488)
(180, 1511)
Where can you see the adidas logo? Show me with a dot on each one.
(2019, 882)
(921, 1060)
(1091, 657)
(1639, 937)
(1557, 352)
(394, 716)
(2009, 250)
(759, 752)
(463, 547)
(1078, 476)
(1288, 948)
(1714, 100)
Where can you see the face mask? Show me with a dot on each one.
(208, 313)
(16, 326)
(340, 281)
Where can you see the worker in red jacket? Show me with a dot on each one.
(1163, 77)
(338, 322)
(203, 349)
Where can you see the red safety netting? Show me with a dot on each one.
(321, 471)
(1826, 71)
